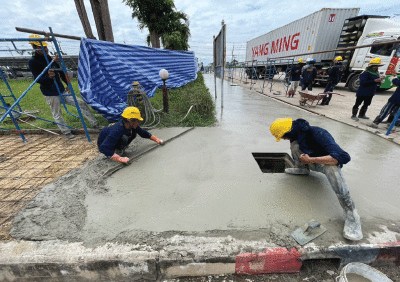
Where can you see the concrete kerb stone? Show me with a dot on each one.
(132, 262)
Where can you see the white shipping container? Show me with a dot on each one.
(319, 31)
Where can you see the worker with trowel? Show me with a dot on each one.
(313, 148)
(115, 138)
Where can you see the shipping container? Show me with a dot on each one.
(319, 31)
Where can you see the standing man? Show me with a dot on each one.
(369, 82)
(114, 139)
(295, 73)
(335, 75)
(309, 73)
(392, 106)
(313, 148)
(49, 89)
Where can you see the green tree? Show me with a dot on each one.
(178, 36)
(163, 21)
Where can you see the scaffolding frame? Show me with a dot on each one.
(10, 110)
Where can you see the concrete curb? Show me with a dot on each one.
(114, 262)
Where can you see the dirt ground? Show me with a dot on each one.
(27, 167)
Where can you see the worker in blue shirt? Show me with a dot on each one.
(308, 73)
(118, 136)
(48, 87)
(313, 148)
(369, 82)
(295, 73)
(335, 75)
(392, 106)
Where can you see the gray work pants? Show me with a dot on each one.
(55, 107)
(332, 172)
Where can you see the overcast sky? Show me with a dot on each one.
(245, 20)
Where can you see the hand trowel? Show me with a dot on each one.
(308, 232)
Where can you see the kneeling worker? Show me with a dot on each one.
(313, 148)
(121, 134)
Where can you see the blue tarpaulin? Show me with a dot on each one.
(106, 72)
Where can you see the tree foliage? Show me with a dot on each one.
(163, 21)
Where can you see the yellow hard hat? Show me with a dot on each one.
(300, 60)
(375, 62)
(135, 83)
(131, 112)
(339, 58)
(280, 127)
(37, 43)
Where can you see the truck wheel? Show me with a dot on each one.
(354, 82)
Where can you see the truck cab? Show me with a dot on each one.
(374, 30)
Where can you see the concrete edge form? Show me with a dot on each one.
(54, 259)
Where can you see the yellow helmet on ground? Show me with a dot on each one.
(338, 58)
(132, 112)
(37, 43)
(280, 127)
(375, 62)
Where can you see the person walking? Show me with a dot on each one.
(369, 82)
(335, 75)
(313, 148)
(295, 73)
(114, 139)
(392, 106)
(308, 73)
(48, 87)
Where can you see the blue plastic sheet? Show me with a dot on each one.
(106, 72)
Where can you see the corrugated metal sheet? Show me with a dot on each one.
(106, 72)
(319, 31)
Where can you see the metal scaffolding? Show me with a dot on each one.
(10, 111)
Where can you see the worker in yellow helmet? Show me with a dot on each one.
(335, 75)
(295, 73)
(114, 139)
(48, 85)
(370, 80)
(313, 148)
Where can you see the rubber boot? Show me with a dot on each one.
(375, 123)
(354, 116)
(324, 100)
(352, 225)
(362, 114)
(297, 171)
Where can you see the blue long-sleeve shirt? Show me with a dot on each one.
(309, 73)
(395, 98)
(110, 135)
(335, 73)
(295, 76)
(37, 64)
(367, 84)
(316, 142)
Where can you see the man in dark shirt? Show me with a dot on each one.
(295, 73)
(49, 87)
(308, 73)
(335, 75)
(392, 106)
(313, 148)
(118, 136)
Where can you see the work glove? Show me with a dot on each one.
(155, 139)
(117, 158)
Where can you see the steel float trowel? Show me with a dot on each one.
(308, 232)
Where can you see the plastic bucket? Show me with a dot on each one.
(360, 272)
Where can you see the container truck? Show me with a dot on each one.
(325, 30)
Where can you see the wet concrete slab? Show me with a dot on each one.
(206, 183)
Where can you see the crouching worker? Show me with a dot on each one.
(313, 148)
(116, 138)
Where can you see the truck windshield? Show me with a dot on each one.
(382, 50)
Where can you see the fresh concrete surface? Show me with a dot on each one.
(206, 184)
